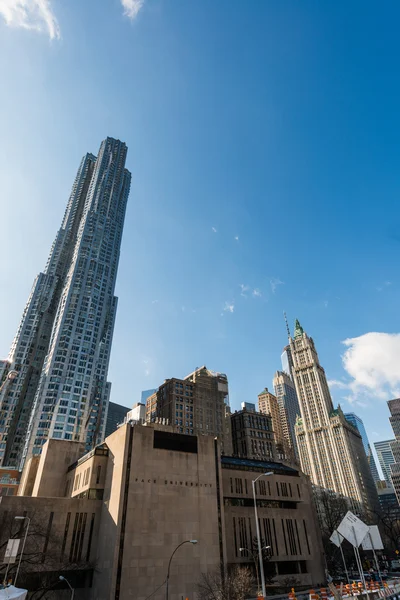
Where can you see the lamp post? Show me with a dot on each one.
(61, 578)
(252, 554)
(260, 557)
(169, 564)
(23, 545)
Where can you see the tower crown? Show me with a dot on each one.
(298, 330)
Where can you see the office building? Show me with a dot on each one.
(62, 346)
(114, 516)
(268, 405)
(248, 406)
(385, 456)
(285, 392)
(388, 502)
(252, 435)
(287, 361)
(359, 425)
(197, 404)
(394, 407)
(330, 448)
(146, 394)
(115, 416)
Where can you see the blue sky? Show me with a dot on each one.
(263, 142)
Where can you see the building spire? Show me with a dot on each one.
(298, 330)
(287, 324)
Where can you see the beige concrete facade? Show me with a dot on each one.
(149, 489)
(286, 515)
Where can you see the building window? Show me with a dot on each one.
(98, 474)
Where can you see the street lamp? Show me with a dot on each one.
(252, 554)
(61, 578)
(23, 545)
(260, 557)
(169, 564)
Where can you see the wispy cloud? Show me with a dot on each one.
(326, 303)
(274, 283)
(154, 301)
(36, 15)
(237, 238)
(257, 293)
(146, 371)
(383, 285)
(132, 8)
(229, 307)
(214, 229)
(243, 289)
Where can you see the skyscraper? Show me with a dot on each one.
(359, 425)
(287, 361)
(331, 450)
(62, 347)
(285, 392)
(385, 457)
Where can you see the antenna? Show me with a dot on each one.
(287, 324)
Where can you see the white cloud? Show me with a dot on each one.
(326, 303)
(257, 293)
(214, 229)
(229, 307)
(372, 362)
(274, 283)
(243, 290)
(36, 15)
(237, 238)
(132, 7)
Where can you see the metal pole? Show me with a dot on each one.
(22, 551)
(344, 562)
(260, 558)
(376, 560)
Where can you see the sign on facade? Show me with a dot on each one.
(372, 540)
(11, 551)
(353, 529)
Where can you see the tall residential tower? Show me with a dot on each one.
(330, 448)
(62, 347)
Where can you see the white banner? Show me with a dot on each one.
(11, 551)
(353, 529)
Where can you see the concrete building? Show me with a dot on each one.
(330, 448)
(197, 404)
(62, 346)
(386, 459)
(120, 511)
(115, 416)
(252, 435)
(268, 405)
(285, 392)
(359, 425)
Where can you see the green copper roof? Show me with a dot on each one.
(298, 330)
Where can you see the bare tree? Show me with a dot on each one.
(235, 585)
(42, 559)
